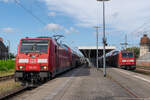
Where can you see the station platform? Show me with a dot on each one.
(88, 83)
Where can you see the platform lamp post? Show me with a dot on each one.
(96, 27)
(8, 49)
(104, 39)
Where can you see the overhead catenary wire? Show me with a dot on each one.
(140, 30)
(141, 27)
(30, 12)
(48, 17)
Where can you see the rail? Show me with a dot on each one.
(3, 78)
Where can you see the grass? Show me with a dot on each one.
(144, 67)
(7, 67)
(6, 73)
(142, 72)
(7, 86)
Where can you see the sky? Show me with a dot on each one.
(75, 19)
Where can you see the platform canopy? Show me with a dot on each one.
(90, 51)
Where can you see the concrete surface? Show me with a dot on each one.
(86, 83)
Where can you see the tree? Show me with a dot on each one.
(11, 55)
(136, 51)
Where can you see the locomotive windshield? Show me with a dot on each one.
(39, 46)
(127, 55)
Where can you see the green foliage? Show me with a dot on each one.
(11, 55)
(136, 51)
(6, 65)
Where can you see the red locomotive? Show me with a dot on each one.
(40, 59)
(122, 59)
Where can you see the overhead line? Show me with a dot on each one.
(30, 12)
(142, 26)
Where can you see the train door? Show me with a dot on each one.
(52, 58)
(57, 58)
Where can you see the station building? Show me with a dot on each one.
(90, 52)
(144, 45)
(144, 59)
(3, 50)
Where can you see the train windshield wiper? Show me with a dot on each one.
(31, 51)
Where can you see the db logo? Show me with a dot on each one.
(32, 61)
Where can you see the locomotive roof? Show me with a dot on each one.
(63, 46)
(36, 38)
(114, 52)
(44, 37)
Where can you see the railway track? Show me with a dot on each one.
(143, 69)
(3, 78)
(130, 92)
(20, 90)
(12, 93)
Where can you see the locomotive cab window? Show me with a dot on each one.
(127, 55)
(130, 55)
(39, 46)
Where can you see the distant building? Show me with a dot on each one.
(144, 59)
(3, 50)
(144, 45)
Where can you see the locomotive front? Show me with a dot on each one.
(127, 60)
(32, 66)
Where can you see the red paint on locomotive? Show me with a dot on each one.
(40, 59)
(122, 59)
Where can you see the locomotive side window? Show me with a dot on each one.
(40, 46)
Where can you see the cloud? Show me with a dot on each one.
(67, 31)
(71, 30)
(7, 1)
(125, 15)
(7, 30)
(57, 27)
(53, 27)
(52, 14)
(115, 14)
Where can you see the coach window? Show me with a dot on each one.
(55, 49)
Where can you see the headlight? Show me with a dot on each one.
(43, 67)
(21, 67)
(123, 60)
(23, 60)
(42, 60)
(131, 60)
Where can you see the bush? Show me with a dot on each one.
(6, 65)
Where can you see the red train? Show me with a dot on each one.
(122, 59)
(40, 59)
